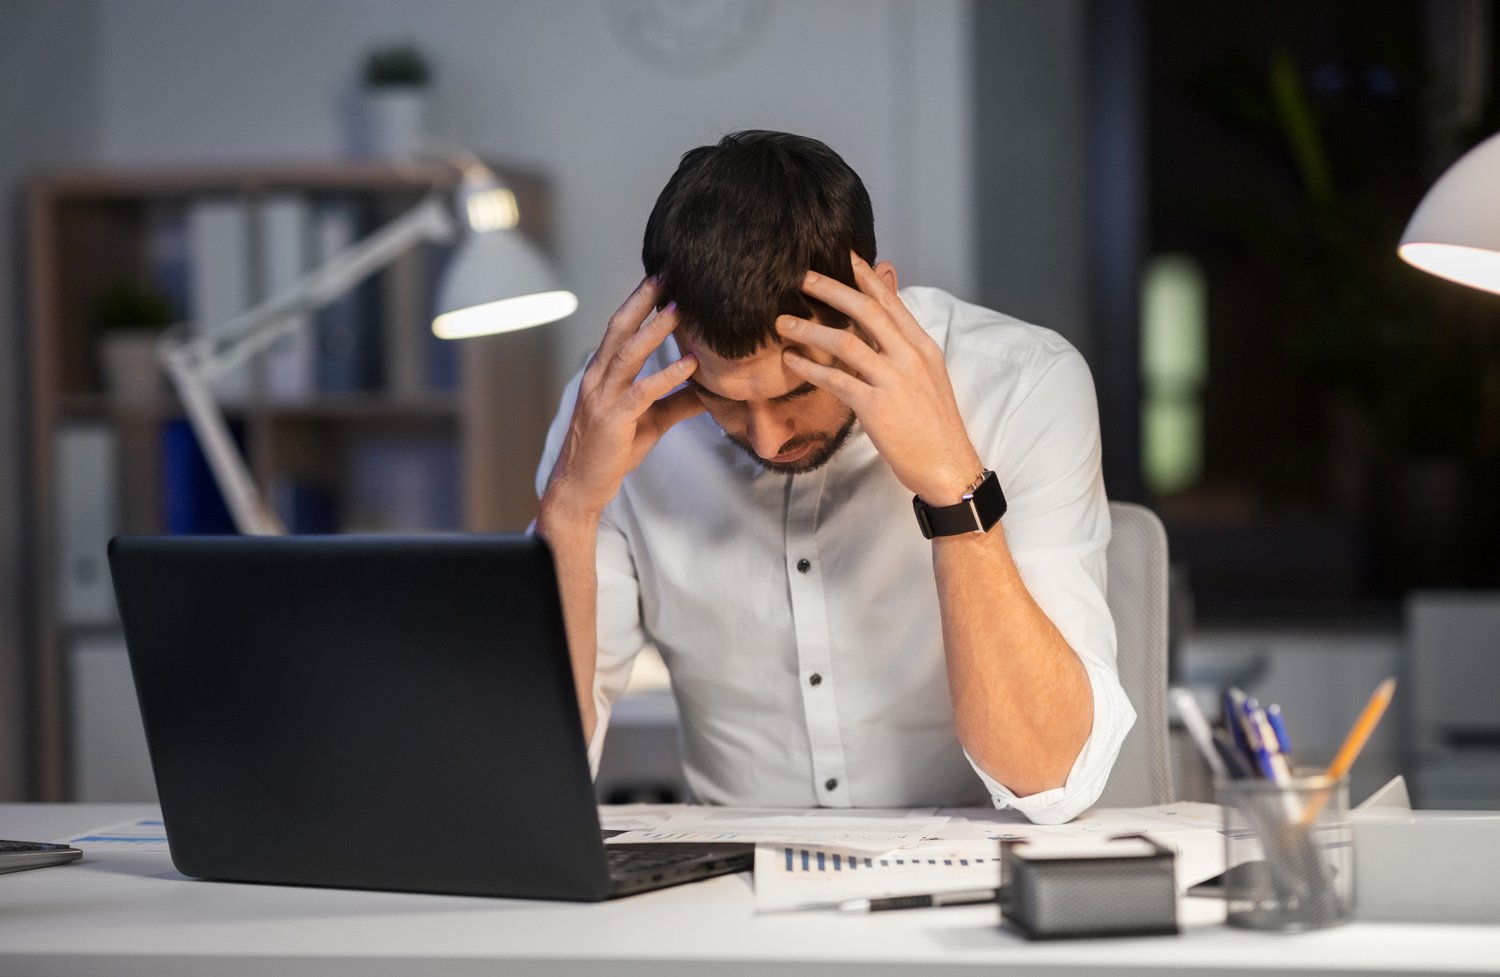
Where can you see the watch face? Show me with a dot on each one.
(687, 35)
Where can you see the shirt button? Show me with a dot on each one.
(803, 566)
(815, 679)
(831, 783)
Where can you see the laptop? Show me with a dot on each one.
(375, 713)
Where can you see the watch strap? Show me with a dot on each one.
(982, 506)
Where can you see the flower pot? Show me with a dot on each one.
(393, 123)
(132, 372)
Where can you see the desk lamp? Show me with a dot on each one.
(495, 281)
(1455, 232)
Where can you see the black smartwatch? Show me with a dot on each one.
(982, 506)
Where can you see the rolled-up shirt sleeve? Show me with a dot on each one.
(620, 634)
(1047, 454)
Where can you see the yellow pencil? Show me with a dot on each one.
(1359, 734)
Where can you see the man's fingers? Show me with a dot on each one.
(843, 344)
(628, 318)
(638, 348)
(873, 285)
(673, 409)
(852, 302)
(849, 389)
(869, 311)
(647, 390)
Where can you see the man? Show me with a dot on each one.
(734, 478)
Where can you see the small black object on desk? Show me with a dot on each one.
(1089, 895)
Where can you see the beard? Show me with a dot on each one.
(825, 446)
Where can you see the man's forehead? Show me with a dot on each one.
(762, 375)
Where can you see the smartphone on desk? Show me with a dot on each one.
(18, 855)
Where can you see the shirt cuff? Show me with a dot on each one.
(601, 726)
(1113, 717)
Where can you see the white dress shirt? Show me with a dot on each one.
(798, 614)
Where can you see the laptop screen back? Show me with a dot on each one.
(367, 712)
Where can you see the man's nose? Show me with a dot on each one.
(769, 429)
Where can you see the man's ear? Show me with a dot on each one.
(887, 273)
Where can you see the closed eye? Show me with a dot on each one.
(801, 391)
(703, 391)
(787, 397)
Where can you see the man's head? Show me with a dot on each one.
(740, 223)
(731, 237)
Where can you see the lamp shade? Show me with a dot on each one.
(1455, 232)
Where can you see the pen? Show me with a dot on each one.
(1197, 727)
(1276, 766)
(1278, 724)
(1234, 708)
(1272, 764)
(968, 897)
(1232, 757)
(1260, 757)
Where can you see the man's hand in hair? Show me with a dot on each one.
(619, 415)
(896, 383)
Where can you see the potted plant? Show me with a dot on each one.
(394, 100)
(130, 318)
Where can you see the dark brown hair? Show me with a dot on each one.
(740, 223)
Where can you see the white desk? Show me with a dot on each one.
(132, 914)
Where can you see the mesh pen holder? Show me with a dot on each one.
(1289, 852)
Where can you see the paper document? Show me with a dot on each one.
(142, 834)
(822, 827)
(961, 854)
(819, 877)
(634, 817)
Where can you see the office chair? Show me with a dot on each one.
(1137, 596)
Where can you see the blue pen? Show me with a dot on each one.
(1272, 763)
(1234, 709)
(1278, 725)
(1260, 751)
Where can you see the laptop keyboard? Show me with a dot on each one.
(627, 860)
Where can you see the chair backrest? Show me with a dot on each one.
(1137, 595)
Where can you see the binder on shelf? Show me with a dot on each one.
(87, 492)
(167, 255)
(404, 314)
(305, 507)
(290, 365)
(404, 484)
(348, 357)
(191, 501)
(442, 354)
(218, 232)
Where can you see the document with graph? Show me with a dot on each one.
(792, 876)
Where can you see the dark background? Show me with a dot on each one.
(1351, 416)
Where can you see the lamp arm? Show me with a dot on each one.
(225, 347)
(252, 515)
(193, 361)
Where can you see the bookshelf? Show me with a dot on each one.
(484, 418)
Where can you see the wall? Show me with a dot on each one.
(554, 84)
(1031, 152)
(48, 113)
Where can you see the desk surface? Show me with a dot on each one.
(133, 913)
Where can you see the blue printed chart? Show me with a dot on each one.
(789, 876)
(141, 834)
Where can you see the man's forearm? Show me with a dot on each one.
(1021, 696)
(573, 538)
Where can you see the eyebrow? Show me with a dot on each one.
(801, 391)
